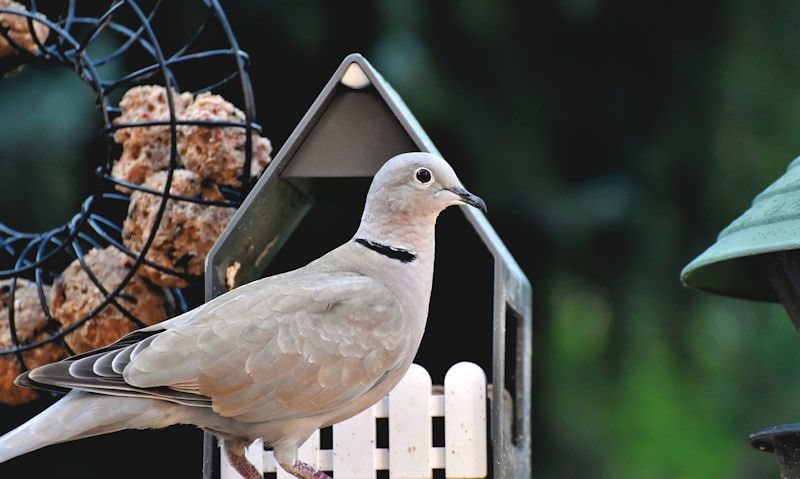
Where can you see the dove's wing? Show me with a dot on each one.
(297, 344)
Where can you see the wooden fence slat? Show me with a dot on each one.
(410, 436)
(354, 446)
(465, 421)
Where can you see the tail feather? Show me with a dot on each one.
(79, 415)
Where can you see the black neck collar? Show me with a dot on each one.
(403, 255)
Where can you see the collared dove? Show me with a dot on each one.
(279, 357)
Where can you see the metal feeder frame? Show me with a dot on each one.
(355, 124)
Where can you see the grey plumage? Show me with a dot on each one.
(276, 358)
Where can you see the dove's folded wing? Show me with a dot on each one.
(255, 353)
(317, 357)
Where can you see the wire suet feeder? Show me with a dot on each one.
(116, 51)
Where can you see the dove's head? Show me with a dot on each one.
(411, 189)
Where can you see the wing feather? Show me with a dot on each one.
(291, 345)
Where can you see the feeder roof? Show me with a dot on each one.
(731, 266)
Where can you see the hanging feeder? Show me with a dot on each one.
(112, 47)
(757, 257)
(357, 123)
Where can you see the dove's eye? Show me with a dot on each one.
(423, 175)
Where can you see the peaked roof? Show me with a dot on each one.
(356, 123)
(356, 103)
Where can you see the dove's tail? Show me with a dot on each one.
(79, 415)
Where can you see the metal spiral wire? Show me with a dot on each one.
(79, 39)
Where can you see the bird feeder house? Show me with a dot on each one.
(356, 123)
(757, 257)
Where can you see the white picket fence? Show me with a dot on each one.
(410, 408)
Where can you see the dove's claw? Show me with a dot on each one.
(301, 470)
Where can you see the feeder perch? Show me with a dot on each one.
(356, 124)
(757, 257)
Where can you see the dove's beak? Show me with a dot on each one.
(469, 198)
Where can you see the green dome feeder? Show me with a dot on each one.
(757, 257)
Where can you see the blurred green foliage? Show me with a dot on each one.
(612, 141)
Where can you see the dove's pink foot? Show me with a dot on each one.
(301, 470)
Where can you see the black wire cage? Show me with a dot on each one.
(115, 47)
